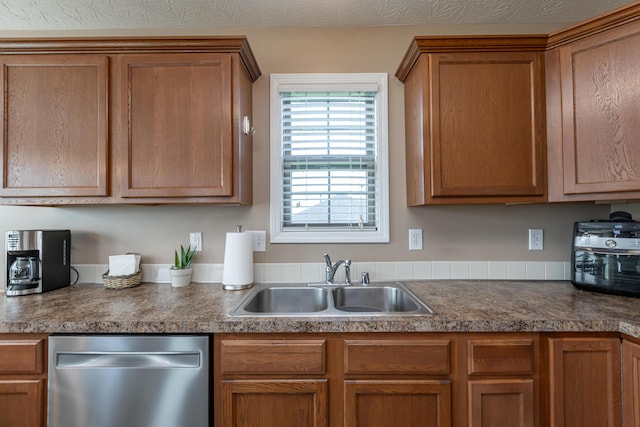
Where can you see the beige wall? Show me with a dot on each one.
(464, 233)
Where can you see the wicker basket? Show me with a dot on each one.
(121, 282)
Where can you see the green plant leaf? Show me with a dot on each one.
(183, 260)
(188, 257)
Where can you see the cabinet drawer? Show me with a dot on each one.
(273, 356)
(397, 356)
(22, 356)
(501, 356)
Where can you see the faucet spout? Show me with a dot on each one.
(331, 269)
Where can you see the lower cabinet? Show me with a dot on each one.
(274, 403)
(631, 382)
(271, 382)
(21, 402)
(23, 380)
(321, 380)
(502, 380)
(398, 382)
(584, 387)
(502, 403)
(426, 380)
(423, 403)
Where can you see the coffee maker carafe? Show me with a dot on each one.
(24, 270)
(36, 261)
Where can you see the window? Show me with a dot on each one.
(329, 163)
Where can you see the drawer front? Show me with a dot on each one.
(501, 356)
(22, 356)
(273, 356)
(432, 357)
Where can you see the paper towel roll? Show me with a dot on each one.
(237, 272)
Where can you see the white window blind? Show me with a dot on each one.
(326, 149)
(329, 160)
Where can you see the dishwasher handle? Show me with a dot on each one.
(132, 360)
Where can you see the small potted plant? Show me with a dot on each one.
(181, 270)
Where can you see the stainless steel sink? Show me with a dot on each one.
(386, 299)
(374, 299)
(288, 300)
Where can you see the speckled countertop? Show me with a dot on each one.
(461, 306)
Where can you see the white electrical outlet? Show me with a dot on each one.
(259, 240)
(195, 241)
(536, 239)
(415, 239)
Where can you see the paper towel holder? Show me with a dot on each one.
(238, 254)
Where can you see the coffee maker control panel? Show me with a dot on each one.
(13, 240)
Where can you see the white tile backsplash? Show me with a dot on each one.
(460, 270)
(554, 271)
(201, 273)
(498, 270)
(384, 271)
(378, 271)
(404, 271)
(273, 272)
(479, 270)
(87, 273)
(567, 271)
(441, 270)
(422, 270)
(516, 270)
(535, 270)
(292, 272)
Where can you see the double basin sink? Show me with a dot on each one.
(385, 299)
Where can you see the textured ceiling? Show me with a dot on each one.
(131, 14)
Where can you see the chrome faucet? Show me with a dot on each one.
(331, 269)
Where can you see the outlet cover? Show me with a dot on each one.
(415, 239)
(195, 241)
(259, 240)
(536, 239)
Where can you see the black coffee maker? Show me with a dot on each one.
(37, 261)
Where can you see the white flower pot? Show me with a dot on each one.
(180, 278)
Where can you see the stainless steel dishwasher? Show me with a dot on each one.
(128, 381)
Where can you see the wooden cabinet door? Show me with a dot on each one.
(597, 94)
(501, 403)
(398, 403)
(274, 403)
(21, 403)
(502, 385)
(475, 120)
(584, 376)
(488, 125)
(22, 380)
(54, 125)
(175, 125)
(631, 383)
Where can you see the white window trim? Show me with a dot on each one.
(318, 82)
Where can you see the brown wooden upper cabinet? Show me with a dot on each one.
(55, 125)
(593, 105)
(127, 120)
(475, 119)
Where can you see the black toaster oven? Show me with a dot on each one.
(605, 257)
